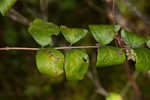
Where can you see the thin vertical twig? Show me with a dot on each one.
(132, 80)
(145, 19)
(128, 85)
(93, 75)
(44, 9)
(94, 6)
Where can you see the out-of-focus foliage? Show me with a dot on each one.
(5, 5)
(19, 77)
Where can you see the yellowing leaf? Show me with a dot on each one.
(50, 62)
(114, 96)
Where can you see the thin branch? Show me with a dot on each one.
(145, 19)
(99, 89)
(16, 16)
(34, 49)
(93, 75)
(94, 6)
(44, 9)
(132, 80)
(128, 85)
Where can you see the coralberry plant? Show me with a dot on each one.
(73, 63)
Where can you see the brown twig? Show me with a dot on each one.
(58, 48)
(128, 85)
(93, 75)
(16, 16)
(132, 80)
(44, 9)
(94, 6)
(145, 19)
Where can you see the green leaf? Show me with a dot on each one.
(132, 39)
(50, 62)
(148, 43)
(142, 59)
(73, 35)
(114, 96)
(108, 56)
(41, 31)
(5, 5)
(104, 34)
(76, 64)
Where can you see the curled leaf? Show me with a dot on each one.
(50, 62)
(108, 56)
(76, 64)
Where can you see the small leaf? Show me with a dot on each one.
(42, 31)
(50, 62)
(76, 64)
(132, 39)
(108, 56)
(148, 43)
(104, 34)
(142, 59)
(73, 35)
(5, 5)
(114, 96)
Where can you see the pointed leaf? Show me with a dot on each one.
(41, 31)
(73, 35)
(76, 64)
(5, 5)
(50, 62)
(108, 56)
(132, 39)
(104, 34)
(114, 96)
(142, 59)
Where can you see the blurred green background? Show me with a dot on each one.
(19, 77)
